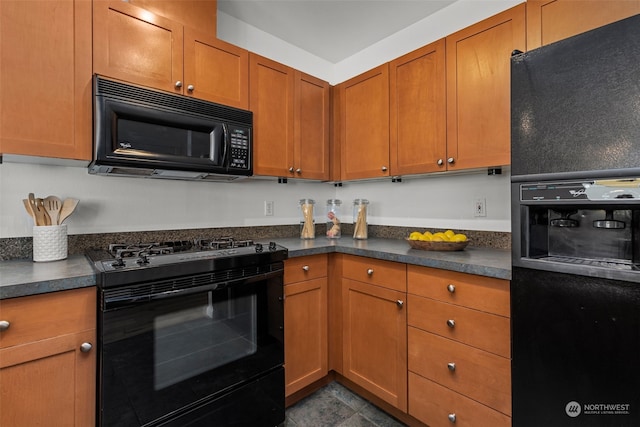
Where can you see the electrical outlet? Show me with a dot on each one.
(268, 208)
(480, 207)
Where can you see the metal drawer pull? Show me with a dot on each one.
(370, 271)
(305, 267)
(178, 84)
(451, 366)
(451, 288)
(451, 323)
(399, 303)
(452, 417)
(85, 347)
(4, 325)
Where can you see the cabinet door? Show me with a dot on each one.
(215, 70)
(305, 333)
(365, 125)
(271, 87)
(201, 15)
(479, 90)
(49, 382)
(418, 114)
(551, 20)
(45, 78)
(375, 340)
(311, 128)
(134, 45)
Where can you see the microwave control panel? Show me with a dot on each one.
(240, 147)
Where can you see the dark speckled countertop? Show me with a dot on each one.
(25, 277)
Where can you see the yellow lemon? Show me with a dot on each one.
(427, 234)
(415, 235)
(459, 238)
(443, 237)
(437, 238)
(449, 233)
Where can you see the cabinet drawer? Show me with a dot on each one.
(433, 404)
(392, 275)
(483, 330)
(482, 376)
(479, 292)
(305, 268)
(43, 316)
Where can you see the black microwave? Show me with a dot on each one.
(142, 132)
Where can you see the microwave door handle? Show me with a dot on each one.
(215, 136)
(225, 144)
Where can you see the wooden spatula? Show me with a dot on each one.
(52, 205)
(68, 206)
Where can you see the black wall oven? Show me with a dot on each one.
(192, 347)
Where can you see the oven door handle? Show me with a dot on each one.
(118, 298)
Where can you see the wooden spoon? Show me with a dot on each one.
(27, 207)
(68, 206)
(52, 205)
(38, 214)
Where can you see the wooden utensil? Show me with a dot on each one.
(38, 214)
(68, 206)
(45, 215)
(52, 206)
(27, 207)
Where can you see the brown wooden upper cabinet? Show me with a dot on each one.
(290, 121)
(364, 121)
(549, 21)
(479, 90)
(135, 45)
(45, 78)
(418, 137)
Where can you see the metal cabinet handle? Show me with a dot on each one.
(451, 323)
(440, 162)
(370, 271)
(452, 417)
(4, 325)
(451, 366)
(298, 170)
(451, 288)
(384, 169)
(190, 88)
(451, 160)
(291, 169)
(85, 347)
(305, 267)
(178, 84)
(399, 303)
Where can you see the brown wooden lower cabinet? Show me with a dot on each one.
(48, 359)
(439, 406)
(305, 314)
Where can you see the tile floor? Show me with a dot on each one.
(336, 406)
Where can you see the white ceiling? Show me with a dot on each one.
(331, 29)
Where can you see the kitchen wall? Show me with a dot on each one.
(114, 204)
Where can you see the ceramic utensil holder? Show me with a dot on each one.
(50, 242)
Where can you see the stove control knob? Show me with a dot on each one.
(143, 259)
(258, 247)
(119, 262)
(272, 246)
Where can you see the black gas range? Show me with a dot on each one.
(191, 333)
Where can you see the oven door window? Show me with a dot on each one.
(196, 339)
(159, 357)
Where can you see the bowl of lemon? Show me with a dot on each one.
(440, 241)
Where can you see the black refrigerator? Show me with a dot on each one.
(575, 213)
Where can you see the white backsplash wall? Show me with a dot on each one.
(114, 204)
